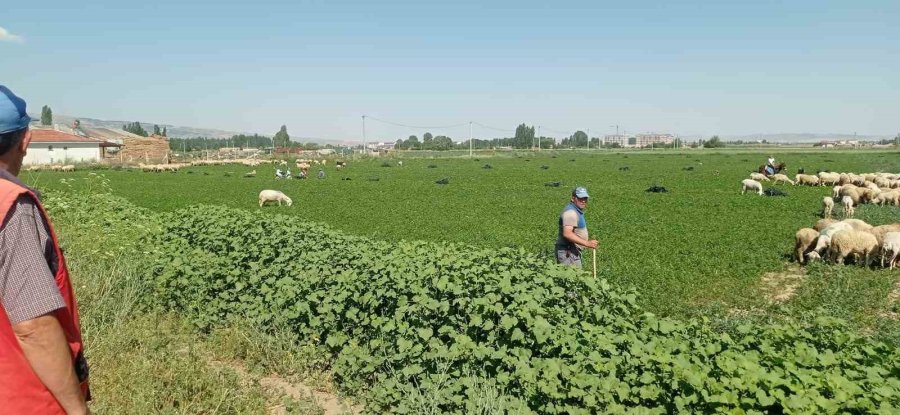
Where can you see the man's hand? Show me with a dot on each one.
(592, 244)
(45, 347)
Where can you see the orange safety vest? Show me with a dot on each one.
(21, 391)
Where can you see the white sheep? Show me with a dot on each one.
(782, 178)
(759, 177)
(804, 240)
(825, 235)
(857, 224)
(891, 197)
(836, 192)
(829, 178)
(891, 245)
(250, 174)
(400, 163)
(827, 206)
(852, 191)
(847, 203)
(749, 184)
(273, 196)
(823, 223)
(806, 179)
(856, 243)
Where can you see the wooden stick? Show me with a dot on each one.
(595, 263)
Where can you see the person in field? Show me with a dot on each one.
(573, 232)
(42, 365)
(770, 166)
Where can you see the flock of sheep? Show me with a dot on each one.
(834, 240)
(51, 167)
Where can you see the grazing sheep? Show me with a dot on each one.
(823, 223)
(782, 178)
(836, 192)
(273, 196)
(825, 235)
(891, 245)
(804, 241)
(891, 197)
(759, 177)
(868, 195)
(857, 224)
(806, 179)
(828, 178)
(813, 256)
(400, 163)
(847, 203)
(749, 184)
(856, 243)
(250, 174)
(827, 206)
(881, 230)
(851, 191)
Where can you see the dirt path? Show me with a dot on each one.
(779, 287)
(277, 387)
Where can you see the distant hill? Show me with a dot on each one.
(171, 130)
(803, 137)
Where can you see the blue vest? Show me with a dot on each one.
(562, 242)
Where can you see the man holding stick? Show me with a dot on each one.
(573, 233)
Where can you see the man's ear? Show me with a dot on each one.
(23, 144)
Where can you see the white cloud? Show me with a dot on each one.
(5, 36)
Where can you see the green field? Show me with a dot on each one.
(424, 327)
(701, 245)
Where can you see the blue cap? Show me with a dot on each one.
(12, 112)
(580, 192)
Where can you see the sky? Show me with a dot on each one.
(683, 67)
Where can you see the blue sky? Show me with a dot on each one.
(686, 67)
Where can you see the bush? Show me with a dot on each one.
(400, 317)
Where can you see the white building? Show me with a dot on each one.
(57, 147)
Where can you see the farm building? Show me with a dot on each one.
(134, 148)
(57, 147)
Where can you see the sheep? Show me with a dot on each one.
(823, 223)
(759, 177)
(889, 197)
(825, 235)
(827, 206)
(845, 179)
(804, 240)
(857, 225)
(782, 178)
(829, 178)
(891, 245)
(250, 174)
(749, 184)
(868, 195)
(851, 191)
(847, 203)
(273, 196)
(881, 230)
(806, 179)
(856, 243)
(400, 163)
(836, 192)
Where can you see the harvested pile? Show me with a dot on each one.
(552, 184)
(487, 167)
(773, 192)
(656, 189)
(445, 180)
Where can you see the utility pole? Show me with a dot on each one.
(365, 144)
(470, 139)
(589, 138)
(539, 138)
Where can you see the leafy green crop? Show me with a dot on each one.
(392, 316)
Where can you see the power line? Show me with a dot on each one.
(416, 126)
(489, 127)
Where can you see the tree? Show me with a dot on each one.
(164, 132)
(135, 128)
(714, 142)
(156, 130)
(524, 136)
(281, 137)
(46, 115)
